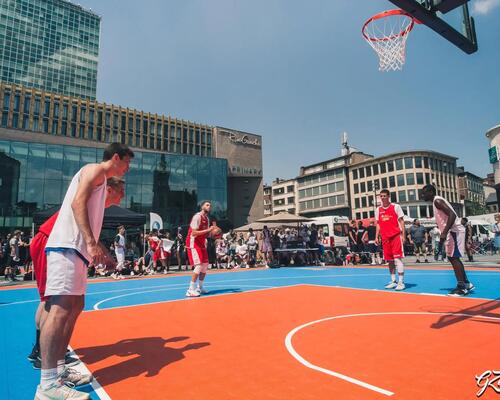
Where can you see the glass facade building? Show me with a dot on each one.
(35, 176)
(51, 45)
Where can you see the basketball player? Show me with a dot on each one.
(196, 244)
(391, 228)
(452, 238)
(114, 194)
(72, 245)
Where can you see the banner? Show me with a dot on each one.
(155, 221)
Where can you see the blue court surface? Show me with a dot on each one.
(18, 305)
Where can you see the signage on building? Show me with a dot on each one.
(493, 151)
(238, 170)
(242, 138)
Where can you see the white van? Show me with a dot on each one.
(335, 230)
(481, 229)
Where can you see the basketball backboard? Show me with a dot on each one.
(448, 18)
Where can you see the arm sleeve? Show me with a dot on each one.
(195, 222)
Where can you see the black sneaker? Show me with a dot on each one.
(426, 260)
(69, 361)
(35, 353)
(458, 292)
(418, 261)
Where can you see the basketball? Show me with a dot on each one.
(217, 233)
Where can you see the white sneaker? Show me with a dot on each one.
(202, 290)
(76, 378)
(58, 391)
(391, 285)
(373, 263)
(400, 286)
(164, 272)
(192, 293)
(132, 273)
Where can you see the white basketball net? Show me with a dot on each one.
(387, 33)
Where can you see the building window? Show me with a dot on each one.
(413, 211)
(27, 100)
(412, 195)
(375, 169)
(363, 202)
(418, 162)
(410, 179)
(363, 187)
(46, 108)
(356, 188)
(384, 183)
(393, 197)
(361, 173)
(408, 162)
(36, 111)
(426, 162)
(399, 164)
(390, 166)
(423, 211)
(6, 100)
(420, 178)
(402, 196)
(392, 181)
(383, 169)
(369, 171)
(401, 180)
(369, 186)
(354, 174)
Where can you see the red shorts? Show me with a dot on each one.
(197, 256)
(393, 248)
(37, 252)
(160, 254)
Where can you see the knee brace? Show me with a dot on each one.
(399, 265)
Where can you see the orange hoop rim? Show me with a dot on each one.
(389, 13)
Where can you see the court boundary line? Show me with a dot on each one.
(308, 364)
(97, 388)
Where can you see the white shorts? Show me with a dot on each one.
(66, 274)
(454, 244)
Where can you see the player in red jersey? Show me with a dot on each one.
(391, 228)
(154, 245)
(196, 245)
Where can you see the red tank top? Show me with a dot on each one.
(200, 223)
(388, 221)
(153, 243)
(46, 227)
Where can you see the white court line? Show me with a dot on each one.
(303, 361)
(358, 275)
(96, 305)
(82, 368)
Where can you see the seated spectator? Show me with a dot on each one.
(242, 255)
(252, 247)
(221, 251)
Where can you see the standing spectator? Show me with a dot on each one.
(468, 238)
(352, 236)
(267, 248)
(496, 231)
(119, 252)
(360, 232)
(313, 243)
(178, 247)
(418, 238)
(252, 247)
(435, 235)
(165, 249)
(370, 237)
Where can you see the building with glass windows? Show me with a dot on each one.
(51, 45)
(186, 162)
(403, 174)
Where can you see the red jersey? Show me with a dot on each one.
(200, 223)
(46, 227)
(153, 242)
(388, 220)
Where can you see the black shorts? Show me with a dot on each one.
(372, 248)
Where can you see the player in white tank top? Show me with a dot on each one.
(452, 237)
(74, 239)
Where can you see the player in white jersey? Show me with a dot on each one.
(72, 244)
(452, 237)
(119, 252)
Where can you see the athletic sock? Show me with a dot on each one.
(192, 285)
(200, 284)
(60, 366)
(393, 277)
(400, 278)
(48, 377)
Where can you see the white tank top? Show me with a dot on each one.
(66, 234)
(441, 218)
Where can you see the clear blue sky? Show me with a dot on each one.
(298, 73)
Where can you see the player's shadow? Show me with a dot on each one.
(488, 309)
(222, 291)
(410, 285)
(150, 355)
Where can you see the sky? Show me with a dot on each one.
(299, 73)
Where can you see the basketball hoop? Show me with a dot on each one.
(386, 33)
